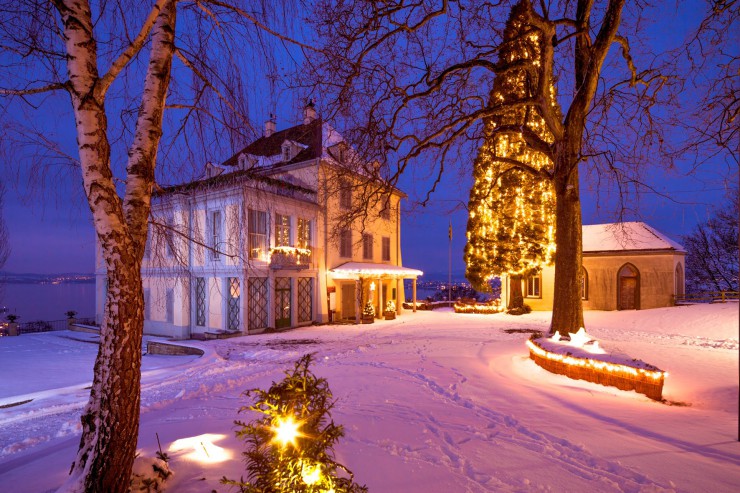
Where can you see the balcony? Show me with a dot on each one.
(290, 258)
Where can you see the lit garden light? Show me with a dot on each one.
(286, 431)
(311, 474)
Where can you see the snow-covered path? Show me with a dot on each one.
(436, 402)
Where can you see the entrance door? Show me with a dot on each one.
(629, 288)
(282, 302)
(348, 301)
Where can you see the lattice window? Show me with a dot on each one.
(233, 304)
(305, 299)
(282, 302)
(257, 299)
(200, 301)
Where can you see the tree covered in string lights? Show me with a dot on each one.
(511, 223)
(290, 447)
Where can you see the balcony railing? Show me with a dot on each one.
(290, 258)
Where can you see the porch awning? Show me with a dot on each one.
(356, 270)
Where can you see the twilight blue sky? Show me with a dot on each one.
(51, 232)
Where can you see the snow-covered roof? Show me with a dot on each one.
(618, 237)
(354, 270)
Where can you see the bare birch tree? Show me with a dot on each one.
(416, 76)
(94, 53)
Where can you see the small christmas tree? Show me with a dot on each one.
(369, 310)
(290, 448)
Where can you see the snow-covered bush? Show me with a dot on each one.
(149, 474)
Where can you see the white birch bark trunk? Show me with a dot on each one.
(110, 422)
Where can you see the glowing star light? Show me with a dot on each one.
(286, 431)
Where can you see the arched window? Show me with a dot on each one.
(584, 284)
(628, 288)
(680, 286)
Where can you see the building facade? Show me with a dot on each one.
(626, 266)
(292, 230)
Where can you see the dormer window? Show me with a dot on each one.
(342, 154)
(286, 151)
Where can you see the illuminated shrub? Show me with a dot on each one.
(290, 446)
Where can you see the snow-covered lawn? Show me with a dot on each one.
(431, 402)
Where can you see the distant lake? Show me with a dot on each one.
(48, 301)
(421, 293)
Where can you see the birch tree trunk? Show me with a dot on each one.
(110, 423)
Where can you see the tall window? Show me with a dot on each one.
(200, 301)
(680, 285)
(533, 286)
(170, 305)
(215, 233)
(386, 248)
(257, 234)
(584, 284)
(367, 246)
(345, 194)
(148, 244)
(385, 211)
(147, 304)
(345, 243)
(282, 230)
(169, 237)
(304, 233)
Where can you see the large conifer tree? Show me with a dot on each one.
(512, 204)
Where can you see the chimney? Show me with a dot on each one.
(270, 126)
(309, 113)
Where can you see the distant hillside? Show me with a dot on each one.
(27, 278)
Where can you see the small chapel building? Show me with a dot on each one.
(626, 266)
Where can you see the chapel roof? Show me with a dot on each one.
(626, 236)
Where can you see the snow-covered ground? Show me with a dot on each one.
(431, 402)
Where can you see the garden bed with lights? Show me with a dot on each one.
(473, 306)
(581, 358)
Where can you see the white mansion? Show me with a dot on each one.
(270, 239)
